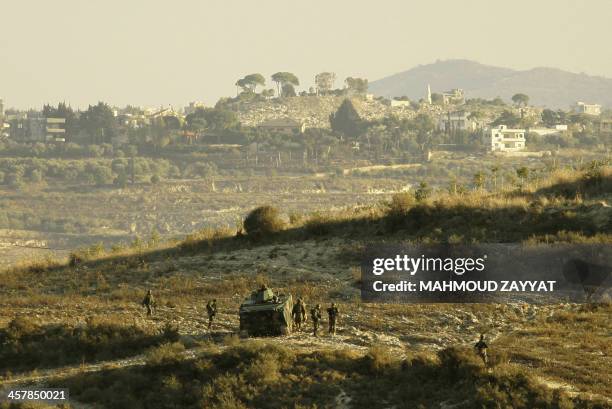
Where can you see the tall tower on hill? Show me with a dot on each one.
(428, 94)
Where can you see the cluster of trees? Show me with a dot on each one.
(392, 135)
(286, 82)
(68, 150)
(213, 120)
(98, 125)
(99, 172)
(583, 131)
(29, 220)
(481, 101)
(569, 139)
(19, 173)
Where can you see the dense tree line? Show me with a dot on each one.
(99, 172)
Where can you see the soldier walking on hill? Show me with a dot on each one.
(299, 313)
(481, 349)
(315, 315)
(211, 310)
(332, 312)
(148, 302)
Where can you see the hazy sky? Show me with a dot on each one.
(170, 52)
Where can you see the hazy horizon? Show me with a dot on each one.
(142, 54)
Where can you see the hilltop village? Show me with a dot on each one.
(321, 124)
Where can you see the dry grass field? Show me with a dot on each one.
(80, 324)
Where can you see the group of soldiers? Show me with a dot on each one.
(211, 307)
(298, 315)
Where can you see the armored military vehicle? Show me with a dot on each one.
(266, 314)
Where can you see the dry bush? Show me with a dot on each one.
(265, 369)
(206, 238)
(28, 345)
(318, 224)
(268, 376)
(166, 354)
(401, 203)
(595, 179)
(459, 362)
(22, 269)
(263, 221)
(231, 340)
(378, 360)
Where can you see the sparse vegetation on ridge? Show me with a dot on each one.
(265, 376)
(27, 345)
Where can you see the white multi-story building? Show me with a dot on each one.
(504, 139)
(589, 109)
(55, 129)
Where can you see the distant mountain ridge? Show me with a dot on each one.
(549, 87)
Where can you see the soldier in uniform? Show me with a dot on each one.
(299, 313)
(315, 315)
(303, 310)
(211, 309)
(481, 349)
(332, 312)
(148, 302)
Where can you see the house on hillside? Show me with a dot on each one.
(55, 130)
(454, 96)
(283, 125)
(33, 127)
(396, 103)
(605, 125)
(556, 130)
(457, 121)
(504, 139)
(588, 109)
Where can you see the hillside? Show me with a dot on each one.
(548, 87)
(81, 325)
(313, 111)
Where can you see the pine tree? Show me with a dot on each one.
(346, 120)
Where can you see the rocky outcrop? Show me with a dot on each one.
(315, 111)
